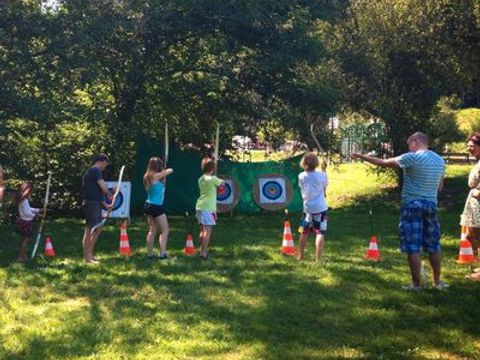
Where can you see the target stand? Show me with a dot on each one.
(272, 191)
(228, 194)
(121, 208)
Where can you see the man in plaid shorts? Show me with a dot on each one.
(423, 172)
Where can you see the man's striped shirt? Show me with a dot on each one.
(422, 172)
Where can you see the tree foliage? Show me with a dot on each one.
(89, 76)
(98, 76)
(401, 56)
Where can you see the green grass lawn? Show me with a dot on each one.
(247, 301)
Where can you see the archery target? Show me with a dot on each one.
(228, 194)
(225, 193)
(272, 191)
(121, 207)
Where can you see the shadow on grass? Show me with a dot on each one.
(259, 299)
(246, 296)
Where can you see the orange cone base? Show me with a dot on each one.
(189, 251)
(373, 257)
(465, 260)
(288, 251)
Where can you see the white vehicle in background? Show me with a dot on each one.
(292, 145)
(242, 142)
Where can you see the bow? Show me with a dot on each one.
(216, 146)
(42, 223)
(114, 199)
(319, 147)
(2, 188)
(165, 154)
(166, 151)
(117, 190)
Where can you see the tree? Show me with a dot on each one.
(401, 56)
(97, 76)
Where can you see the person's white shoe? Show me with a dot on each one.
(441, 285)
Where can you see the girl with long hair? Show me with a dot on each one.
(154, 181)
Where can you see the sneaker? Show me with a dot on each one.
(411, 287)
(151, 257)
(163, 257)
(203, 257)
(441, 285)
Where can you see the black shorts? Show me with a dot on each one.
(153, 210)
(93, 212)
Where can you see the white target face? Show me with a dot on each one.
(228, 194)
(121, 208)
(225, 193)
(272, 190)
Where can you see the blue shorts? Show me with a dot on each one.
(419, 227)
(316, 223)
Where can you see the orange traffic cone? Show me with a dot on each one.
(49, 247)
(124, 244)
(288, 248)
(465, 254)
(189, 249)
(373, 253)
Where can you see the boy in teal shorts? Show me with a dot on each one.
(207, 203)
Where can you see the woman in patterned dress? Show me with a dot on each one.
(470, 217)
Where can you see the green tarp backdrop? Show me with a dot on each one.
(182, 187)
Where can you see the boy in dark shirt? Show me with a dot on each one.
(94, 190)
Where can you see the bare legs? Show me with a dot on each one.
(88, 243)
(155, 225)
(319, 242)
(414, 262)
(435, 263)
(473, 235)
(152, 232)
(302, 242)
(205, 234)
(415, 265)
(22, 254)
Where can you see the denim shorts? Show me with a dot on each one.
(419, 227)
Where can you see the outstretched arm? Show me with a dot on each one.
(391, 162)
